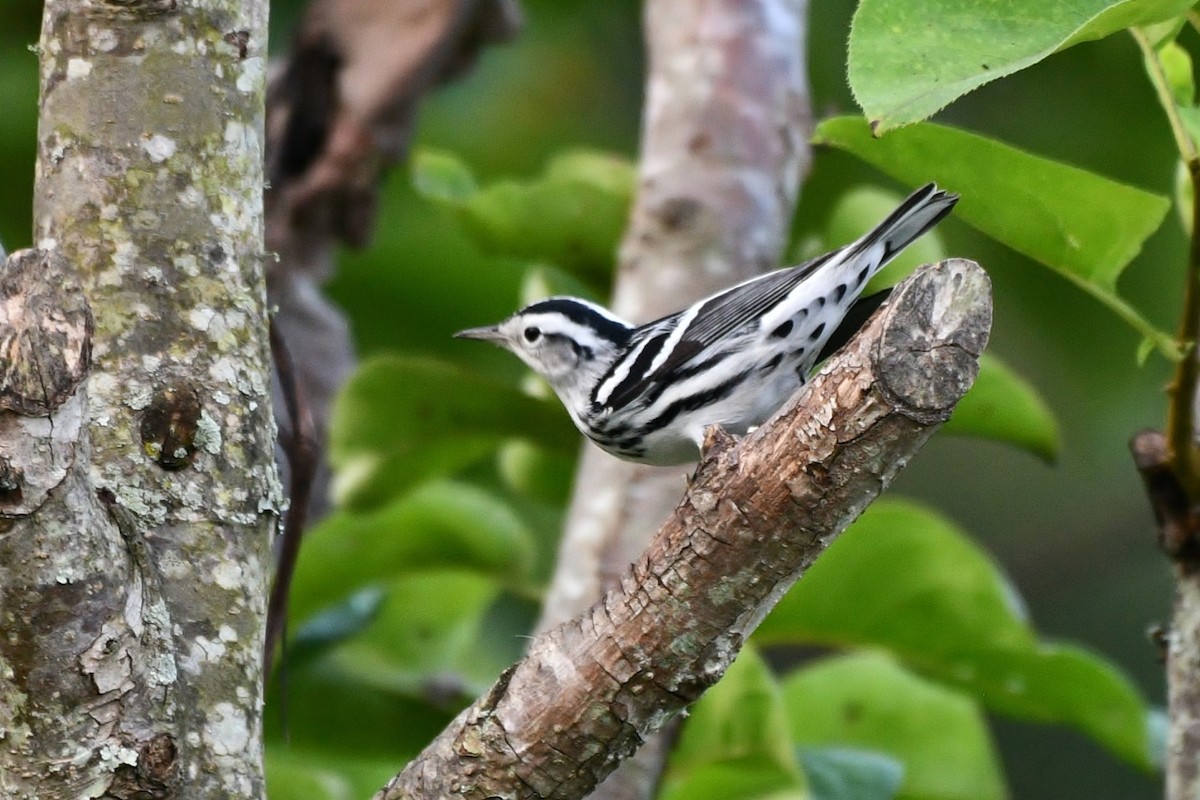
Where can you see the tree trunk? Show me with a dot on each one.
(724, 150)
(138, 491)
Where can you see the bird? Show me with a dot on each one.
(646, 393)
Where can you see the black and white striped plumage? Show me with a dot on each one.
(647, 393)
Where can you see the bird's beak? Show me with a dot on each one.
(491, 333)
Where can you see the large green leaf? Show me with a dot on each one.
(572, 216)
(844, 773)
(739, 718)
(441, 525)
(905, 579)
(735, 744)
(401, 420)
(739, 779)
(868, 701)
(1001, 405)
(438, 638)
(1082, 225)
(909, 58)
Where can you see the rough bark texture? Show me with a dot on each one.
(137, 506)
(756, 514)
(724, 148)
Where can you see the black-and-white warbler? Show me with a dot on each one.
(646, 393)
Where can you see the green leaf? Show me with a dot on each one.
(1083, 226)
(441, 525)
(400, 421)
(748, 779)
(910, 58)
(292, 778)
(441, 176)
(313, 774)
(327, 629)
(868, 701)
(905, 579)
(336, 713)
(1177, 68)
(1003, 406)
(440, 640)
(572, 216)
(431, 640)
(843, 773)
(735, 743)
(537, 473)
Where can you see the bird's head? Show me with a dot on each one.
(568, 341)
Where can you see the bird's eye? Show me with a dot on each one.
(532, 334)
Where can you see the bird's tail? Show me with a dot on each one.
(923, 209)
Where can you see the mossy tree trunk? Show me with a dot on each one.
(138, 492)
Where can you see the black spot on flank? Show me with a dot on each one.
(817, 331)
(773, 363)
(862, 276)
(820, 302)
(839, 293)
(798, 353)
(783, 330)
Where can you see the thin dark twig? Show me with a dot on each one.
(301, 451)
(1181, 425)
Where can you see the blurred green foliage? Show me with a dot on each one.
(421, 587)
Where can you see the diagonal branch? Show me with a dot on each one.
(756, 515)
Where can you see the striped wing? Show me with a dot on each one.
(677, 346)
(705, 327)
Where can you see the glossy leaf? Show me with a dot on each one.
(904, 579)
(430, 641)
(910, 58)
(573, 215)
(441, 525)
(1001, 405)
(327, 629)
(735, 743)
(868, 701)
(1082, 225)
(843, 773)
(400, 421)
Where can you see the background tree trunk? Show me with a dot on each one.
(724, 149)
(138, 503)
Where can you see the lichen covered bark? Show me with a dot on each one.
(132, 593)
